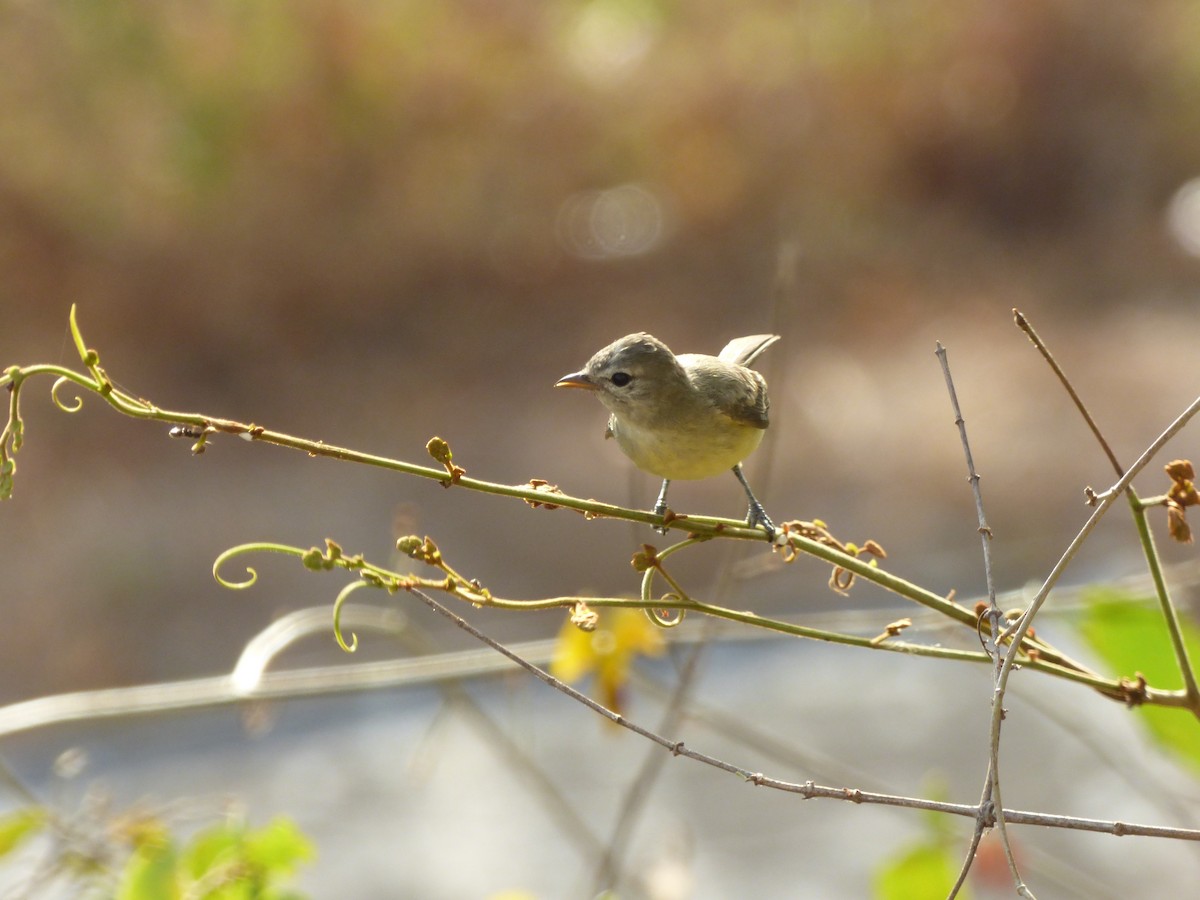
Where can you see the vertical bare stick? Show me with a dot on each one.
(991, 810)
(1021, 627)
(1024, 325)
(985, 532)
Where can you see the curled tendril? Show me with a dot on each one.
(653, 560)
(243, 549)
(228, 555)
(663, 618)
(58, 402)
(342, 597)
(841, 580)
(314, 559)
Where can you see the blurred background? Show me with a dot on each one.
(372, 223)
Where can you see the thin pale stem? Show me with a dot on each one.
(1138, 507)
(1021, 628)
(1037, 342)
(990, 805)
(807, 790)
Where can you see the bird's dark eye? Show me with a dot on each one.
(620, 379)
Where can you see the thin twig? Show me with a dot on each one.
(808, 790)
(1023, 624)
(985, 532)
(311, 682)
(1170, 614)
(991, 810)
(753, 735)
(1026, 327)
(609, 875)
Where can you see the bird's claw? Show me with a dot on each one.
(756, 516)
(660, 509)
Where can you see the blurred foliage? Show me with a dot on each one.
(1128, 633)
(295, 155)
(16, 826)
(923, 870)
(227, 861)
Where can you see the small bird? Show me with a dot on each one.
(682, 417)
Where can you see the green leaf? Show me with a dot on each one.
(246, 864)
(16, 826)
(1128, 632)
(279, 848)
(923, 870)
(150, 874)
(210, 848)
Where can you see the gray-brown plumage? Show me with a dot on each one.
(682, 417)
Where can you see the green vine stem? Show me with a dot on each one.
(537, 493)
(197, 425)
(372, 575)
(1167, 606)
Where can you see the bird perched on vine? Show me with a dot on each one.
(682, 417)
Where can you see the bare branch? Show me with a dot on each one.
(1026, 327)
(991, 810)
(808, 790)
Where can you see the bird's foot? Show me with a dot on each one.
(756, 516)
(660, 509)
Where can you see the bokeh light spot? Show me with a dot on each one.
(1183, 216)
(610, 37)
(623, 221)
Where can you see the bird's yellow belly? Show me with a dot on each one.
(687, 453)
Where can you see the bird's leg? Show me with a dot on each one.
(756, 515)
(660, 505)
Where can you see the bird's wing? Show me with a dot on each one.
(745, 350)
(739, 393)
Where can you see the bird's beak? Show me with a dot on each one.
(576, 380)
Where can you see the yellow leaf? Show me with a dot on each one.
(608, 651)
